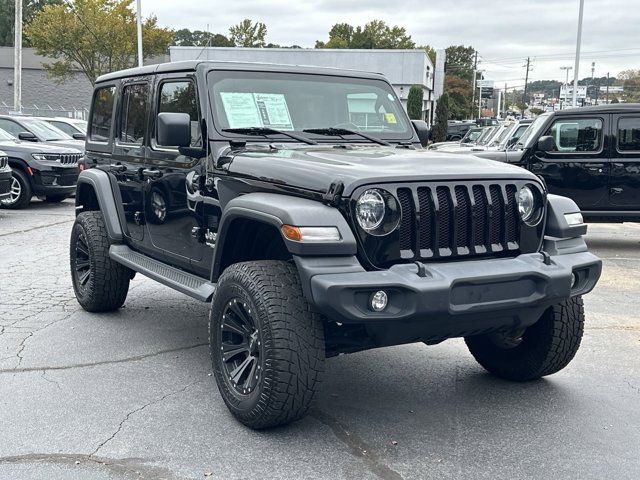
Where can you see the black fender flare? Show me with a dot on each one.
(277, 210)
(101, 185)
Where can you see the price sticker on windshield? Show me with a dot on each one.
(390, 118)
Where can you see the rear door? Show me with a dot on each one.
(624, 191)
(579, 166)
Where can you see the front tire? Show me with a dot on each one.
(267, 344)
(546, 347)
(20, 193)
(100, 284)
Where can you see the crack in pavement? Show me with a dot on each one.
(358, 447)
(135, 468)
(16, 232)
(137, 410)
(137, 358)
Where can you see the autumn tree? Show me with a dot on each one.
(248, 34)
(7, 14)
(459, 92)
(375, 34)
(94, 36)
(414, 102)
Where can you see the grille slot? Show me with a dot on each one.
(458, 220)
(4, 161)
(69, 158)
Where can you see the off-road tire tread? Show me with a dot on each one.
(293, 335)
(109, 282)
(548, 345)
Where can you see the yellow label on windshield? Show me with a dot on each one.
(390, 118)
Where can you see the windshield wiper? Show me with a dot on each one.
(264, 131)
(339, 132)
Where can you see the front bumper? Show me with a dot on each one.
(55, 180)
(457, 297)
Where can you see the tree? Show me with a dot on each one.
(459, 92)
(198, 38)
(7, 14)
(248, 34)
(431, 52)
(414, 102)
(375, 34)
(442, 119)
(94, 36)
(460, 61)
(631, 83)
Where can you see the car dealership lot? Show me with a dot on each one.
(129, 395)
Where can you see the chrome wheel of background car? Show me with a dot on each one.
(83, 261)
(240, 347)
(14, 192)
(158, 205)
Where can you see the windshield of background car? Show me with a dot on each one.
(487, 133)
(6, 135)
(46, 131)
(503, 134)
(471, 135)
(296, 102)
(532, 132)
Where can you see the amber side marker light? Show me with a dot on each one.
(311, 234)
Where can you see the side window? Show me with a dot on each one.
(629, 134)
(100, 123)
(180, 97)
(577, 135)
(133, 114)
(12, 127)
(66, 128)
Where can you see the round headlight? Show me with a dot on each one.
(529, 205)
(370, 210)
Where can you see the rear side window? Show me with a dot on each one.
(133, 114)
(102, 114)
(629, 134)
(577, 135)
(180, 97)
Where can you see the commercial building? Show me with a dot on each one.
(403, 68)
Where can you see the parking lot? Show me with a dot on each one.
(129, 394)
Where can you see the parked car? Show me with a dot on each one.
(589, 154)
(470, 138)
(47, 171)
(458, 147)
(35, 130)
(456, 130)
(5, 176)
(311, 237)
(74, 127)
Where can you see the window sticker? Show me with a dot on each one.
(390, 118)
(245, 110)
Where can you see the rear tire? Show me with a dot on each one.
(267, 344)
(21, 191)
(100, 284)
(546, 347)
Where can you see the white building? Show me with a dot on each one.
(403, 68)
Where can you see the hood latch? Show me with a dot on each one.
(334, 194)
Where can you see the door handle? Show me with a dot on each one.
(118, 167)
(595, 169)
(151, 173)
(616, 191)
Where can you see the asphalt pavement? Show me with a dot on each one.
(129, 394)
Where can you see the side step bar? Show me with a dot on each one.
(175, 278)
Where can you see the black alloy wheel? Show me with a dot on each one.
(82, 270)
(240, 347)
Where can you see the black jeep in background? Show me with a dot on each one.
(589, 154)
(300, 203)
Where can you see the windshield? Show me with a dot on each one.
(298, 102)
(471, 136)
(4, 135)
(45, 131)
(532, 131)
(487, 133)
(504, 133)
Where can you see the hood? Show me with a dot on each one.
(18, 147)
(316, 167)
(77, 144)
(508, 156)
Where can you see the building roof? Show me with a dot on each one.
(191, 65)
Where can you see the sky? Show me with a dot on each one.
(504, 32)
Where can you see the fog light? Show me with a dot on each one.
(574, 280)
(379, 301)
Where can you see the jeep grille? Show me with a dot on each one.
(70, 158)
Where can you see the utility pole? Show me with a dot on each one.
(17, 59)
(506, 102)
(607, 97)
(139, 31)
(577, 64)
(475, 71)
(593, 81)
(566, 84)
(524, 94)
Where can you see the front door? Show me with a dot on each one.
(624, 191)
(578, 167)
(178, 219)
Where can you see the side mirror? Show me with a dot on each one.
(546, 144)
(422, 130)
(27, 136)
(174, 129)
(79, 136)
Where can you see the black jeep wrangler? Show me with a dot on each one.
(300, 203)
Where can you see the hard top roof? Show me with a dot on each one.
(610, 108)
(192, 65)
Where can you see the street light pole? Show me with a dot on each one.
(17, 59)
(139, 29)
(577, 64)
(566, 84)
